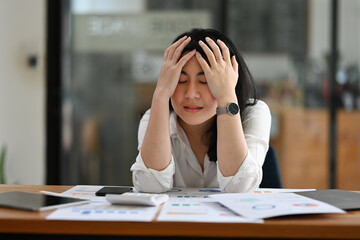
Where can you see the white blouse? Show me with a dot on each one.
(184, 169)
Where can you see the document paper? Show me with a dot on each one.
(199, 210)
(272, 205)
(99, 209)
(196, 205)
(185, 204)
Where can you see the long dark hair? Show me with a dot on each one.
(245, 88)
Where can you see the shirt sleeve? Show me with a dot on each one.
(256, 126)
(147, 179)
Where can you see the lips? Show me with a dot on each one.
(192, 108)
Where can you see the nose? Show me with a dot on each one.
(192, 90)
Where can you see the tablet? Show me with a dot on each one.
(36, 202)
(345, 200)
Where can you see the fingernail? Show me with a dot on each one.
(208, 39)
(201, 42)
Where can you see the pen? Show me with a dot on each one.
(57, 194)
(53, 194)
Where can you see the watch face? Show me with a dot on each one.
(233, 108)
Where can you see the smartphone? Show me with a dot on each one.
(113, 190)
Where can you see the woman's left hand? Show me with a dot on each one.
(221, 72)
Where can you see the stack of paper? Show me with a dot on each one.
(196, 205)
(99, 209)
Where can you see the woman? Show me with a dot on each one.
(216, 132)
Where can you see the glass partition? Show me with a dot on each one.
(112, 55)
(348, 83)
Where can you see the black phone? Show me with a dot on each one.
(112, 190)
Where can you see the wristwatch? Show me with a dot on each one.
(231, 108)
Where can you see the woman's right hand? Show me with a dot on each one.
(171, 67)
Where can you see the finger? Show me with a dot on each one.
(177, 54)
(184, 59)
(234, 64)
(208, 52)
(203, 63)
(215, 48)
(170, 50)
(225, 50)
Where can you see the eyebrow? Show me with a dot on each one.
(198, 74)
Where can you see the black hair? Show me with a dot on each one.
(245, 88)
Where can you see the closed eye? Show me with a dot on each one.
(183, 77)
(201, 77)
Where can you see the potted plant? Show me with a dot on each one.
(2, 165)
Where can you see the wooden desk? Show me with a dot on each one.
(322, 226)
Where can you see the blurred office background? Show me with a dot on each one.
(77, 75)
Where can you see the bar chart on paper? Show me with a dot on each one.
(187, 193)
(199, 210)
(105, 212)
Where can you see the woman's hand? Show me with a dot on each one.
(221, 72)
(171, 67)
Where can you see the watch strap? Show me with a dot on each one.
(221, 110)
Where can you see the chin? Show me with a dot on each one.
(195, 120)
(192, 122)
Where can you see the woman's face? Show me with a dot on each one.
(192, 99)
